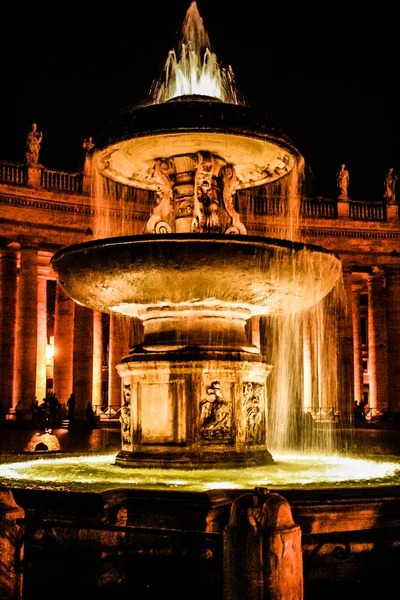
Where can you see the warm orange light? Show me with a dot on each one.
(50, 351)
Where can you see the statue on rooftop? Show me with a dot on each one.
(88, 144)
(33, 141)
(342, 180)
(390, 186)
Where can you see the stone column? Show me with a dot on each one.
(346, 361)
(377, 341)
(63, 345)
(357, 343)
(26, 329)
(83, 358)
(393, 337)
(310, 398)
(117, 349)
(329, 365)
(97, 358)
(41, 339)
(8, 305)
(262, 553)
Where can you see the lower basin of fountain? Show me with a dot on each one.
(112, 529)
(88, 472)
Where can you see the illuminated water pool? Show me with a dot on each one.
(97, 472)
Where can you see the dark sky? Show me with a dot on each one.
(327, 74)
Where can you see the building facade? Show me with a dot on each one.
(47, 341)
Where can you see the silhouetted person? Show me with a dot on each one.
(358, 411)
(89, 415)
(362, 405)
(19, 411)
(71, 406)
(37, 413)
(54, 406)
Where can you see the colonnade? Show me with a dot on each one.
(79, 338)
(376, 358)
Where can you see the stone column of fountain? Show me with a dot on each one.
(195, 391)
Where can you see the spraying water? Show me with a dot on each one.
(193, 68)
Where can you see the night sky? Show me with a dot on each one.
(328, 76)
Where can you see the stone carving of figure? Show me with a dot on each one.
(253, 403)
(215, 415)
(163, 215)
(88, 144)
(230, 183)
(342, 179)
(33, 142)
(390, 185)
(125, 416)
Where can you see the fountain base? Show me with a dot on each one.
(194, 409)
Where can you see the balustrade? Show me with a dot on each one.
(11, 173)
(368, 211)
(258, 203)
(66, 182)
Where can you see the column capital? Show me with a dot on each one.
(8, 252)
(356, 288)
(392, 272)
(28, 242)
(376, 277)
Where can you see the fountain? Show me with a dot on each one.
(195, 408)
(195, 387)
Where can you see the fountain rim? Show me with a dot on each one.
(193, 237)
(252, 123)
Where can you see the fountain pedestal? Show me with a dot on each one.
(193, 408)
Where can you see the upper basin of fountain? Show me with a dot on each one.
(128, 274)
(251, 142)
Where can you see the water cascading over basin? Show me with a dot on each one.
(194, 389)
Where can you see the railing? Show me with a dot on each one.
(376, 414)
(318, 207)
(256, 202)
(324, 414)
(368, 211)
(66, 182)
(107, 413)
(261, 205)
(11, 173)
